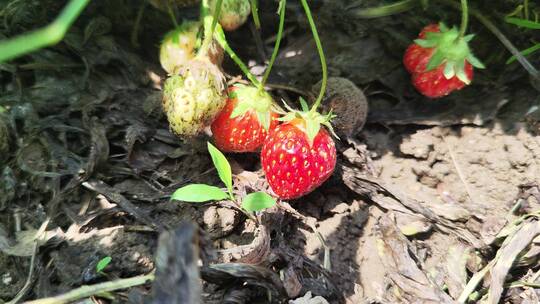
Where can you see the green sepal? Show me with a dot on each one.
(264, 119)
(460, 72)
(304, 104)
(449, 70)
(469, 37)
(443, 27)
(426, 43)
(475, 62)
(436, 60)
(240, 109)
(312, 129)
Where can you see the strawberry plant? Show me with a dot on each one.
(300, 154)
(197, 193)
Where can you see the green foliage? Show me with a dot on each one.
(103, 263)
(258, 201)
(198, 193)
(223, 167)
(528, 24)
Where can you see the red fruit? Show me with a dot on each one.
(245, 132)
(440, 63)
(433, 84)
(292, 165)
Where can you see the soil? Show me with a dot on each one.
(425, 194)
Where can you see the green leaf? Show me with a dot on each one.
(523, 23)
(435, 60)
(258, 201)
(312, 129)
(525, 52)
(103, 263)
(304, 104)
(198, 193)
(222, 165)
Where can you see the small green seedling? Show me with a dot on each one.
(527, 24)
(198, 193)
(102, 264)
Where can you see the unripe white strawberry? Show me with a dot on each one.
(179, 46)
(192, 99)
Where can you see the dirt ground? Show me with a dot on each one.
(427, 195)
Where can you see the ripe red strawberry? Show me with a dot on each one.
(295, 165)
(440, 61)
(244, 123)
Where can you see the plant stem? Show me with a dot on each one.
(321, 54)
(282, 5)
(47, 36)
(217, 12)
(207, 20)
(464, 18)
(220, 37)
(255, 13)
(92, 290)
(171, 14)
(385, 10)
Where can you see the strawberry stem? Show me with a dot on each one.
(464, 18)
(321, 55)
(171, 14)
(255, 13)
(282, 5)
(220, 37)
(217, 11)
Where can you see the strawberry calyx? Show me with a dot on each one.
(250, 98)
(450, 49)
(308, 121)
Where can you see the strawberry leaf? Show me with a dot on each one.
(525, 52)
(103, 263)
(198, 193)
(258, 201)
(223, 167)
(436, 60)
(312, 129)
(475, 62)
(523, 23)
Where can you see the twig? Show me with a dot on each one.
(46, 36)
(458, 169)
(92, 290)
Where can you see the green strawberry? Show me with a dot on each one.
(233, 13)
(192, 99)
